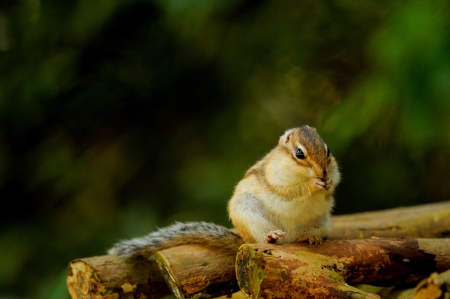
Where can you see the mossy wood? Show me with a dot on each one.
(198, 271)
(108, 277)
(421, 221)
(303, 271)
(436, 286)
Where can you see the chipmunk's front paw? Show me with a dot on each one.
(274, 235)
(311, 239)
(328, 182)
(321, 184)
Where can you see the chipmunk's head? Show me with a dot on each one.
(310, 154)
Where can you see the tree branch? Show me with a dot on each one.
(421, 221)
(98, 277)
(299, 270)
(205, 272)
(110, 277)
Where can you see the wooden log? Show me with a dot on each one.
(300, 270)
(108, 277)
(388, 292)
(421, 221)
(198, 271)
(436, 286)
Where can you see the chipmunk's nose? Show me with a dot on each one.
(320, 172)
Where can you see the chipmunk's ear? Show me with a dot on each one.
(286, 137)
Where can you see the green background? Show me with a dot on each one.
(117, 116)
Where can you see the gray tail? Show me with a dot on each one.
(178, 234)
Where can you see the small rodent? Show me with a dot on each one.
(286, 197)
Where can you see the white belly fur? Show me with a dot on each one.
(308, 215)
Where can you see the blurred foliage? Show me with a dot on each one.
(120, 115)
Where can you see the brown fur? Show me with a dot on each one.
(280, 199)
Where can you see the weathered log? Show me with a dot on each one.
(108, 277)
(298, 270)
(436, 286)
(421, 221)
(388, 292)
(198, 270)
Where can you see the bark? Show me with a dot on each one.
(421, 221)
(197, 270)
(436, 286)
(298, 270)
(389, 292)
(108, 277)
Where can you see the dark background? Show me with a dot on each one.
(117, 116)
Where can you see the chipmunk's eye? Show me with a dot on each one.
(299, 154)
(328, 152)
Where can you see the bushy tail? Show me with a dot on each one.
(178, 234)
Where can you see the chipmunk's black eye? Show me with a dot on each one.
(328, 152)
(299, 154)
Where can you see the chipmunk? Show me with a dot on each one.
(286, 197)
